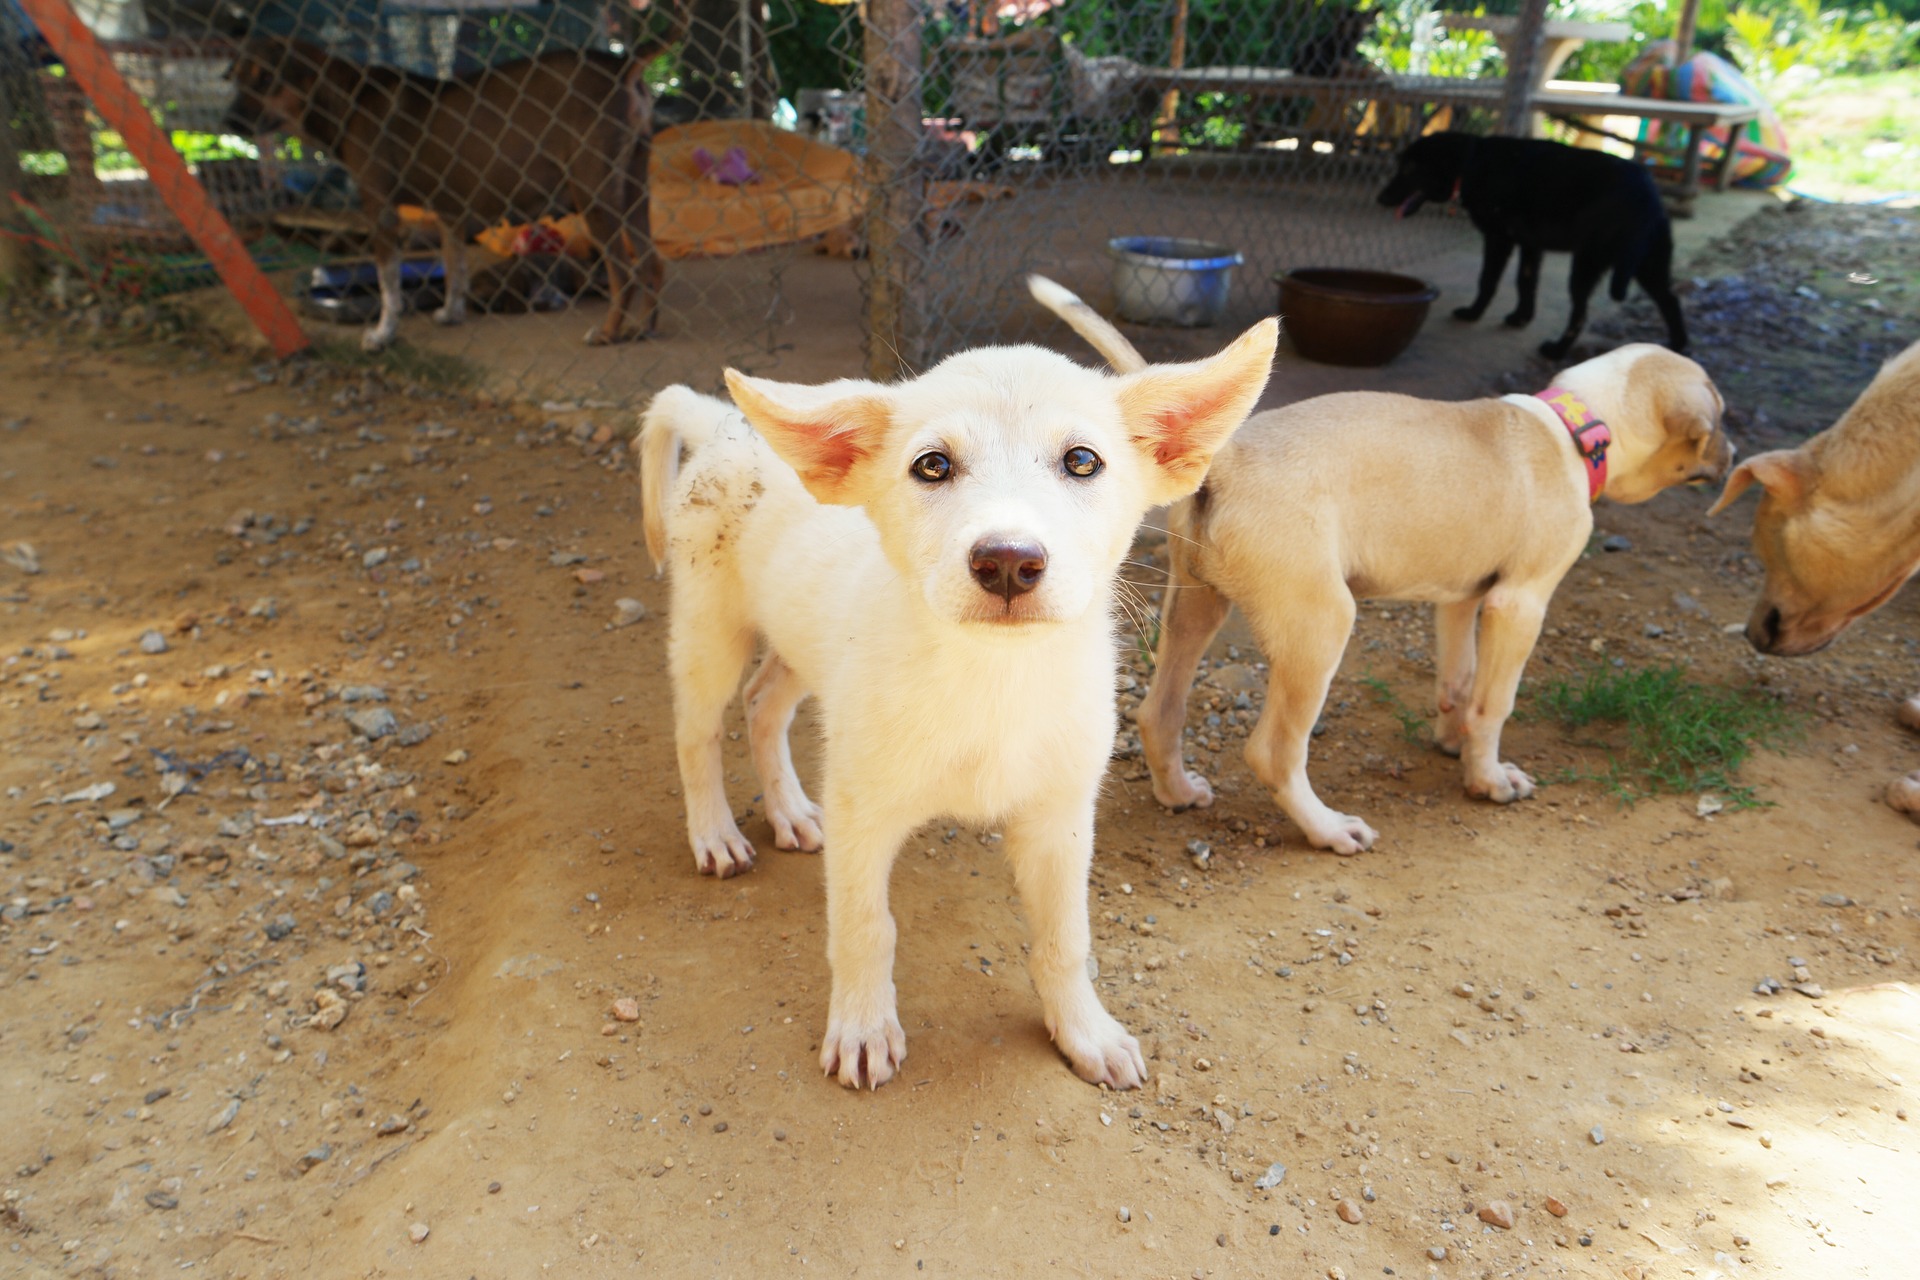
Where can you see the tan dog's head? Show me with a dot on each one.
(1671, 402)
(1007, 482)
(1829, 562)
(1834, 528)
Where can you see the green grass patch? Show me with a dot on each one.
(402, 362)
(1413, 725)
(1856, 137)
(1666, 733)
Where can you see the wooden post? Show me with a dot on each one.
(15, 260)
(90, 67)
(896, 193)
(1683, 30)
(1169, 127)
(1523, 62)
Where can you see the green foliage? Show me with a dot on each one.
(1408, 39)
(1666, 733)
(814, 45)
(1787, 46)
(1413, 725)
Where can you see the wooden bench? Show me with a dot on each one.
(1575, 102)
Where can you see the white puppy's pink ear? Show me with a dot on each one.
(1783, 473)
(1178, 415)
(824, 433)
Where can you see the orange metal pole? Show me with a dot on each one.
(87, 62)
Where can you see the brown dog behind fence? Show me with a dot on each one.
(567, 131)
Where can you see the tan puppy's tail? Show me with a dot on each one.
(678, 418)
(1088, 323)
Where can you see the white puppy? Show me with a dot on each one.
(935, 559)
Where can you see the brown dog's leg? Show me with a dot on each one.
(453, 258)
(1453, 627)
(1304, 639)
(1509, 626)
(1192, 614)
(386, 258)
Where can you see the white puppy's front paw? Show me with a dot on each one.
(449, 315)
(1185, 790)
(375, 340)
(1340, 833)
(863, 1053)
(1506, 784)
(722, 853)
(1103, 1053)
(796, 826)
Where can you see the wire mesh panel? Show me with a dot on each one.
(594, 197)
(577, 198)
(1164, 158)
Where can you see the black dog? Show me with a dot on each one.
(1545, 196)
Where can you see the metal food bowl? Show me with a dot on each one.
(1166, 280)
(1345, 317)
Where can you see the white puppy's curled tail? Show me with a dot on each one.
(1088, 323)
(677, 418)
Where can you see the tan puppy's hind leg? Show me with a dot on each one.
(1051, 850)
(772, 695)
(1453, 642)
(1304, 647)
(1192, 614)
(1509, 625)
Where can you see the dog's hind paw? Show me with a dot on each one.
(1903, 795)
(722, 853)
(1909, 713)
(1468, 314)
(445, 316)
(1555, 350)
(1507, 784)
(1104, 1054)
(1186, 790)
(796, 826)
(598, 336)
(375, 340)
(1517, 319)
(1341, 833)
(863, 1055)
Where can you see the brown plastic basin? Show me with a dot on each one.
(1348, 317)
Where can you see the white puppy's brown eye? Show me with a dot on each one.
(1082, 461)
(933, 466)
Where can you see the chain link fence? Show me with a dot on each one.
(879, 175)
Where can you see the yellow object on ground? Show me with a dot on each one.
(802, 189)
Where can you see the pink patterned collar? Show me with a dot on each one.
(1591, 436)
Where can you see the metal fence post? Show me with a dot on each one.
(1524, 54)
(894, 185)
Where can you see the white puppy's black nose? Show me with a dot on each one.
(1006, 567)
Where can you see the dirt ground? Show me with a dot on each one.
(339, 815)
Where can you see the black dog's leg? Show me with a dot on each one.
(1492, 267)
(1656, 279)
(1588, 267)
(1521, 316)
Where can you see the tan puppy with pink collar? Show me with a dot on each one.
(1479, 507)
